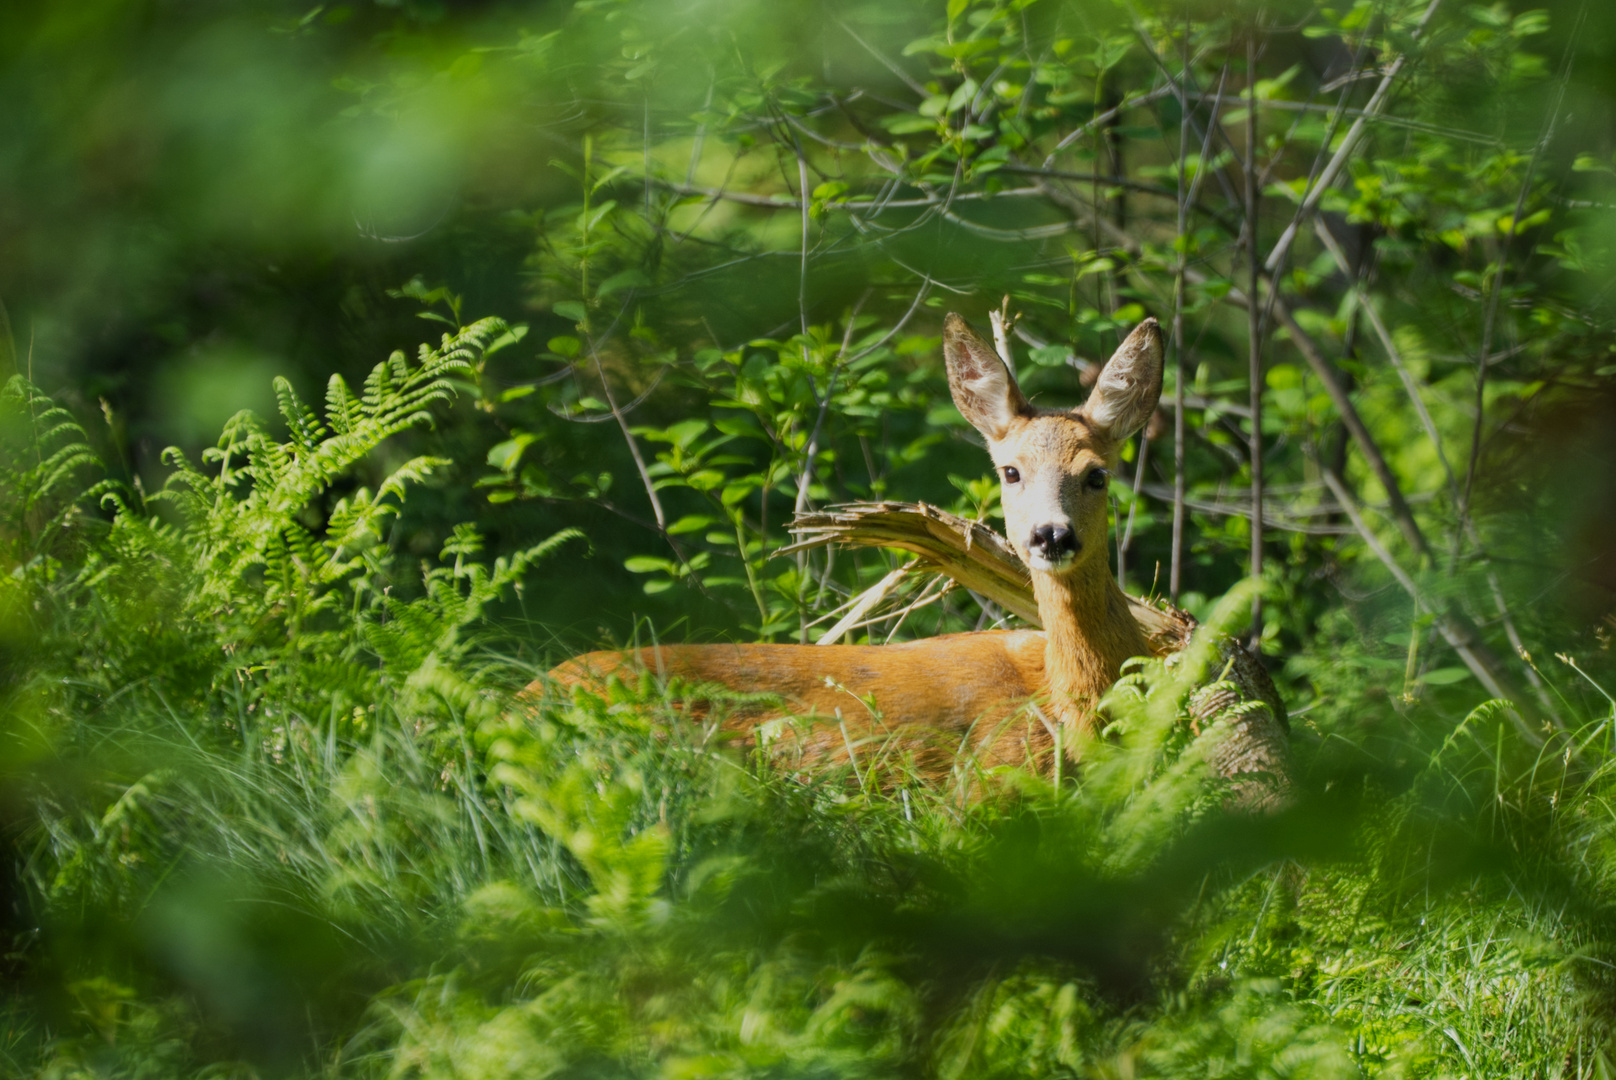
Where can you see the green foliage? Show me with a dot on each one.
(598, 883)
(268, 803)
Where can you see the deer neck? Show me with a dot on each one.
(1089, 632)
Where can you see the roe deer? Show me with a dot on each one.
(1054, 466)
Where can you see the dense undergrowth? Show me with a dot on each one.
(273, 808)
(272, 802)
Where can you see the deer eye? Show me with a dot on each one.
(1097, 479)
(1011, 475)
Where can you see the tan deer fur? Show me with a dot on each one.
(998, 693)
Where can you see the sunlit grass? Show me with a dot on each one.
(279, 808)
(600, 883)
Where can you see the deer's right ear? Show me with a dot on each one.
(983, 389)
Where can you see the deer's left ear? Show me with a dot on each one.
(1129, 386)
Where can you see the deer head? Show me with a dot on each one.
(1055, 464)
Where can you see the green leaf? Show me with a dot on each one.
(509, 337)
(908, 124)
(686, 432)
(963, 50)
(738, 424)
(505, 456)
(588, 221)
(690, 523)
(962, 95)
(925, 44)
(627, 279)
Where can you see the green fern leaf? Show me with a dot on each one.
(304, 425)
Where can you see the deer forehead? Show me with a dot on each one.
(1059, 441)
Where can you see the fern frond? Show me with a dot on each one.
(44, 453)
(46, 420)
(305, 427)
(187, 488)
(60, 468)
(379, 383)
(543, 549)
(342, 409)
(243, 434)
(414, 471)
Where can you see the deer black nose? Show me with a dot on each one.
(1053, 541)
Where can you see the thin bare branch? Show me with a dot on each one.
(601, 418)
(1344, 152)
(1366, 303)
(701, 132)
(1458, 134)
(628, 437)
(1254, 328)
(1457, 634)
(1276, 515)
(1105, 118)
(786, 202)
(866, 600)
(1496, 292)
(1088, 177)
(812, 449)
(907, 79)
(1180, 367)
(1180, 399)
(1353, 422)
(1001, 322)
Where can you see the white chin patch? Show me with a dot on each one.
(1051, 566)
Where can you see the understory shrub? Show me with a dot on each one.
(274, 809)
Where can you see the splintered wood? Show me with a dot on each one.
(1256, 755)
(969, 552)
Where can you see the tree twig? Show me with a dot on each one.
(1001, 322)
(1254, 327)
(1489, 320)
(1458, 635)
(1349, 144)
(867, 600)
(903, 76)
(628, 437)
